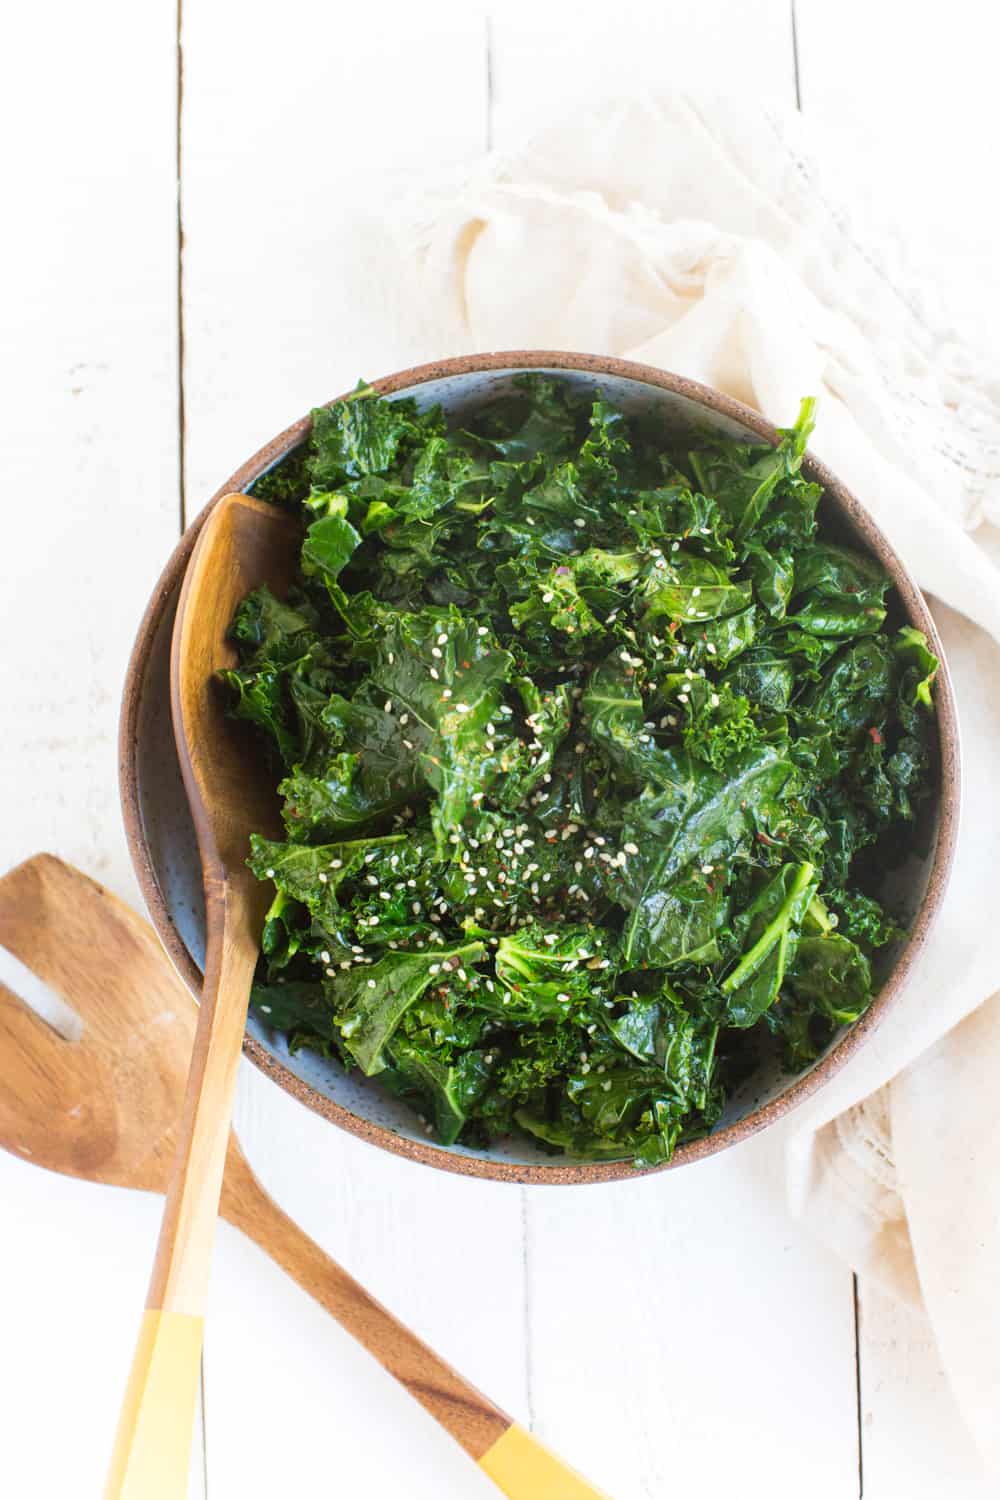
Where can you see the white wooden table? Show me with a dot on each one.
(676, 1335)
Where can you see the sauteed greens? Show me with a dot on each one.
(593, 747)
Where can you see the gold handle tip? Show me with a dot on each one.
(523, 1469)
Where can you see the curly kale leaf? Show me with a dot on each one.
(593, 744)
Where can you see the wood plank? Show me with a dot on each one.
(286, 304)
(442, 1252)
(277, 182)
(686, 1336)
(88, 303)
(915, 1442)
(911, 157)
(898, 92)
(656, 1306)
(561, 55)
(88, 386)
(77, 1257)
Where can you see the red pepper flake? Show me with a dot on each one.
(875, 736)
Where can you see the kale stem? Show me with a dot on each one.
(773, 932)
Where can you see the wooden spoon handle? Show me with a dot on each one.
(518, 1465)
(153, 1442)
(470, 1417)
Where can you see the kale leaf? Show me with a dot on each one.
(593, 745)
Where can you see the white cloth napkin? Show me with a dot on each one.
(704, 240)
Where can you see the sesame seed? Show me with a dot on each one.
(588, 853)
(322, 878)
(373, 921)
(695, 592)
(579, 748)
(683, 698)
(404, 719)
(491, 729)
(408, 744)
(707, 869)
(548, 596)
(710, 648)
(446, 693)
(269, 874)
(549, 937)
(715, 700)
(442, 638)
(675, 546)
(388, 706)
(579, 521)
(435, 674)
(482, 630)
(606, 1086)
(462, 708)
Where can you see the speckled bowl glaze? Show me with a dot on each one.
(162, 839)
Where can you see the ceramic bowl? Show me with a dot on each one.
(162, 838)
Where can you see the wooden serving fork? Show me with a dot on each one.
(105, 1108)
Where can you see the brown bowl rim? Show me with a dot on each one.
(573, 1172)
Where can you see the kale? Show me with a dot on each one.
(593, 746)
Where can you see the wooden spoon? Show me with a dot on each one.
(105, 1108)
(243, 544)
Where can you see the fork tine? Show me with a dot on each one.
(35, 1062)
(52, 915)
(22, 1027)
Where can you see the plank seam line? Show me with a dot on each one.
(857, 1388)
(179, 163)
(529, 1383)
(795, 57)
(204, 1428)
(488, 23)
